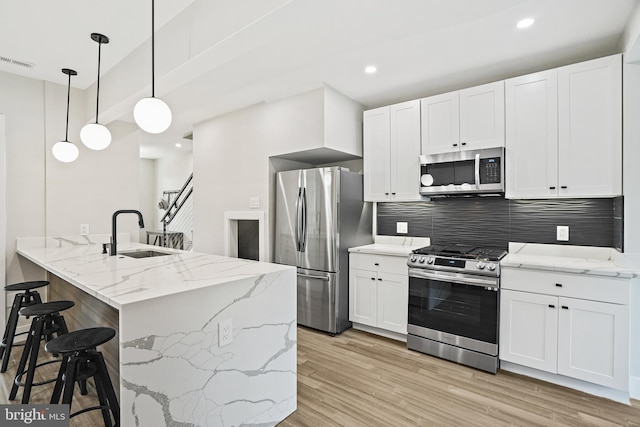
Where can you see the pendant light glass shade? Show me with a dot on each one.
(152, 114)
(66, 151)
(94, 135)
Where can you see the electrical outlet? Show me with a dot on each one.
(402, 227)
(225, 333)
(562, 233)
(84, 229)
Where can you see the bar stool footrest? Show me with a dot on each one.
(18, 378)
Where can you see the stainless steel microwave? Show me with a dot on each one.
(463, 173)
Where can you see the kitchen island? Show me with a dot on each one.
(174, 313)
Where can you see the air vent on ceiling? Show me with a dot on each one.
(16, 62)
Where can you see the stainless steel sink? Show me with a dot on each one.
(144, 254)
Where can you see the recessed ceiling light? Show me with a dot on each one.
(525, 23)
(178, 145)
(370, 69)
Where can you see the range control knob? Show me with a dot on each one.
(413, 258)
(491, 266)
(421, 260)
(480, 265)
(430, 260)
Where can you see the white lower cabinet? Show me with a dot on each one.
(553, 332)
(379, 294)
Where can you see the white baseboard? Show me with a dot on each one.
(634, 387)
(381, 332)
(590, 388)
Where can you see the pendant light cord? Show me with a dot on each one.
(153, 49)
(66, 133)
(98, 84)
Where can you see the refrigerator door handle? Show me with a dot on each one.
(303, 238)
(314, 276)
(298, 218)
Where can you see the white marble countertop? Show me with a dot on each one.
(119, 280)
(571, 259)
(392, 245)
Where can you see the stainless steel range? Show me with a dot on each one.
(454, 294)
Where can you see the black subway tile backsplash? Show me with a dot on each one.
(494, 221)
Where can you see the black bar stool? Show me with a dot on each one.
(47, 321)
(80, 362)
(21, 299)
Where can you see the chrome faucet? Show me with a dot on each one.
(114, 233)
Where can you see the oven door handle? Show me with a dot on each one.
(443, 276)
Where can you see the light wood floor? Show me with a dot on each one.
(42, 394)
(359, 379)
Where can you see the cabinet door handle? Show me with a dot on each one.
(386, 194)
(373, 278)
(376, 264)
(558, 285)
(379, 279)
(564, 307)
(563, 187)
(552, 306)
(463, 143)
(393, 194)
(455, 145)
(552, 188)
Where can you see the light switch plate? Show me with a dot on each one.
(254, 202)
(402, 227)
(84, 229)
(562, 233)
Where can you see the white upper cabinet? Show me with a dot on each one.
(590, 128)
(468, 119)
(391, 152)
(531, 165)
(564, 131)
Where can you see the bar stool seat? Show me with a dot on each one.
(46, 322)
(26, 296)
(82, 361)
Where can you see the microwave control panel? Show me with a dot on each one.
(490, 170)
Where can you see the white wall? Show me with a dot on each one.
(148, 192)
(231, 156)
(22, 103)
(45, 197)
(3, 213)
(97, 184)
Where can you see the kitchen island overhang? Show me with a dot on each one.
(172, 368)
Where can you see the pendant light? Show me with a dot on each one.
(95, 135)
(152, 114)
(66, 151)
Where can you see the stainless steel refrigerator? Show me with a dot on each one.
(320, 214)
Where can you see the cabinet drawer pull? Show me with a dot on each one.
(379, 279)
(552, 188)
(552, 306)
(564, 307)
(464, 143)
(386, 194)
(563, 187)
(393, 194)
(558, 285)
(376, 264)
(373, 278)
(455, 145)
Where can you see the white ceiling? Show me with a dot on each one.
(242, 52)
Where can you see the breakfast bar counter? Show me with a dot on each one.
(203, 339)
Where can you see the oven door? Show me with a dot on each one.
(458, 309)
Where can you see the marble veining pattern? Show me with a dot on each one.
(579, 260)
(172, 369)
